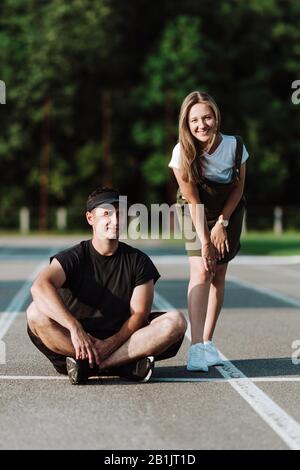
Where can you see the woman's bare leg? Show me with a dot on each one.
(198, 292)
(215, 301)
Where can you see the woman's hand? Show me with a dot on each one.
(209, 257)
(218, 236)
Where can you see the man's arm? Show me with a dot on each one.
(48, 302)
(46, 298)
(140, 307)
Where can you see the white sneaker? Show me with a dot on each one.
(212, 355)
(196, 358)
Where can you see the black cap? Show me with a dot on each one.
(106, 197)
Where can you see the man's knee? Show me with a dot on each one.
(36, 318)
(175, 323)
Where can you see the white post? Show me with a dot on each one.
(24, 219)
(278, 227)
(61, 218)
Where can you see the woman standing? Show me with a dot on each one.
(210, 169)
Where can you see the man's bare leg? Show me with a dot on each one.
(153, 339)
(54, 336)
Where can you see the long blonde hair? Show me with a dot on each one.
(190, 148)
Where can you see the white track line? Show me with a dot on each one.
(241, 260)
(279, 421)
(16, 304)
(284, 270)
(222, 380)
(160, 379)
(32, 377)
(263, 290)
(266, 259)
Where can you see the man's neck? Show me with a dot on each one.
(105, 247)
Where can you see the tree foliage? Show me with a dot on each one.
(148, 56)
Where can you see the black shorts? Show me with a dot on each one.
(59, 360)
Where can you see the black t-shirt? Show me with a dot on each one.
(98, 288)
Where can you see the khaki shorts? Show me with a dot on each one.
(191, 239)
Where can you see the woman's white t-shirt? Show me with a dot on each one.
(217, 166)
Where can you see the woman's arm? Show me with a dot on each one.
(218, 233)
(191, 194)
(235, 195)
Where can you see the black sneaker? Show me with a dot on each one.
(79, 371)
(138, 371)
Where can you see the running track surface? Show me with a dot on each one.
(253, 402)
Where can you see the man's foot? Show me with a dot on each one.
(212, 355)
(138, 371)
(79, 371)
(196, 358)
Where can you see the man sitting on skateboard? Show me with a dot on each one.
(91, 310)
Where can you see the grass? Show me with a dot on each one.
(266, 243)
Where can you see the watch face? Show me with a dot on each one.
(224, 222)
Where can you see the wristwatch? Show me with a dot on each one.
(223, 222)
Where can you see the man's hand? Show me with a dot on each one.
(83, 345)
(103, 346)
(218, 236)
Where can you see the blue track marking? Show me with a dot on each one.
(8, 289)
(235, 296)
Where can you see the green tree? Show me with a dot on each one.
(95, 88)
(175, 67)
